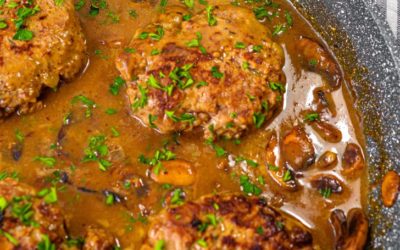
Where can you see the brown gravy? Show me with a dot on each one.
(127, 221)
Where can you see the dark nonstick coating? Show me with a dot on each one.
(363, 43)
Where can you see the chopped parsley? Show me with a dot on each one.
(96, 151)
(197, 43)
(287, 176)
(278, 29)
(201, 84)
(115, 132)
(3, 203)
(152, 82)
(310, 117)
(177, 197)
(313, 62)
(100, 54)
(189, 3)
(48, 195)
(257, 48)
(202, 243)
(216, 73)
(277, 86)
(163, 4)
(155, 52)
(9, 237)
(185, 117)
(279, 225)
(289, 18)
(47, 161)
(258, 119)
(141, 101)
(212, 21)
(88, 103)
(251, 97)
(250, 162)
(5, 174)
(187, 17)
(152, 119)
(96, 6)
(22, 14)
(23, 35)
(181, 76)
(111, 111)
(112, 18)
(132, 13)
(158, 34)
(110, 199)
(326, 192)
(261, 13)
(160, 245)
(261, 180)
(240, 45)
(19, 136)
(3, 24)
(79, 5)
(143, 35)
(245, 65)
(46, 243)
(219, 151)
(160, 155)
(130, 50)
(273, 167)
(248, 187)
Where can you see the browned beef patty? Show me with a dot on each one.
(226, 222)
(219, 70)
(41, 44)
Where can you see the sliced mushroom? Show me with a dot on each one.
(323, 100)
(317, 58)
(357, 225)
(390, 188)
(175, 172)
(297, 149)
(350, 233)
(327, 131)
(327, 184)
(327, 160)
(352, 160)
(339, 223)
(300, 236)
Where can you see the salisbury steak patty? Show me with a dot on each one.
(40, 43)
(225, 222)
(219, 70)
(26, 218)
(31, 219)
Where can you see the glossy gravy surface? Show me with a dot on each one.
(127, 220)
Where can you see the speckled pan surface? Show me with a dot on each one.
(359, 36)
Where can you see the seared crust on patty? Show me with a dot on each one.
(28, 218)
(226, 222)
(188, 74)
(55, 52)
